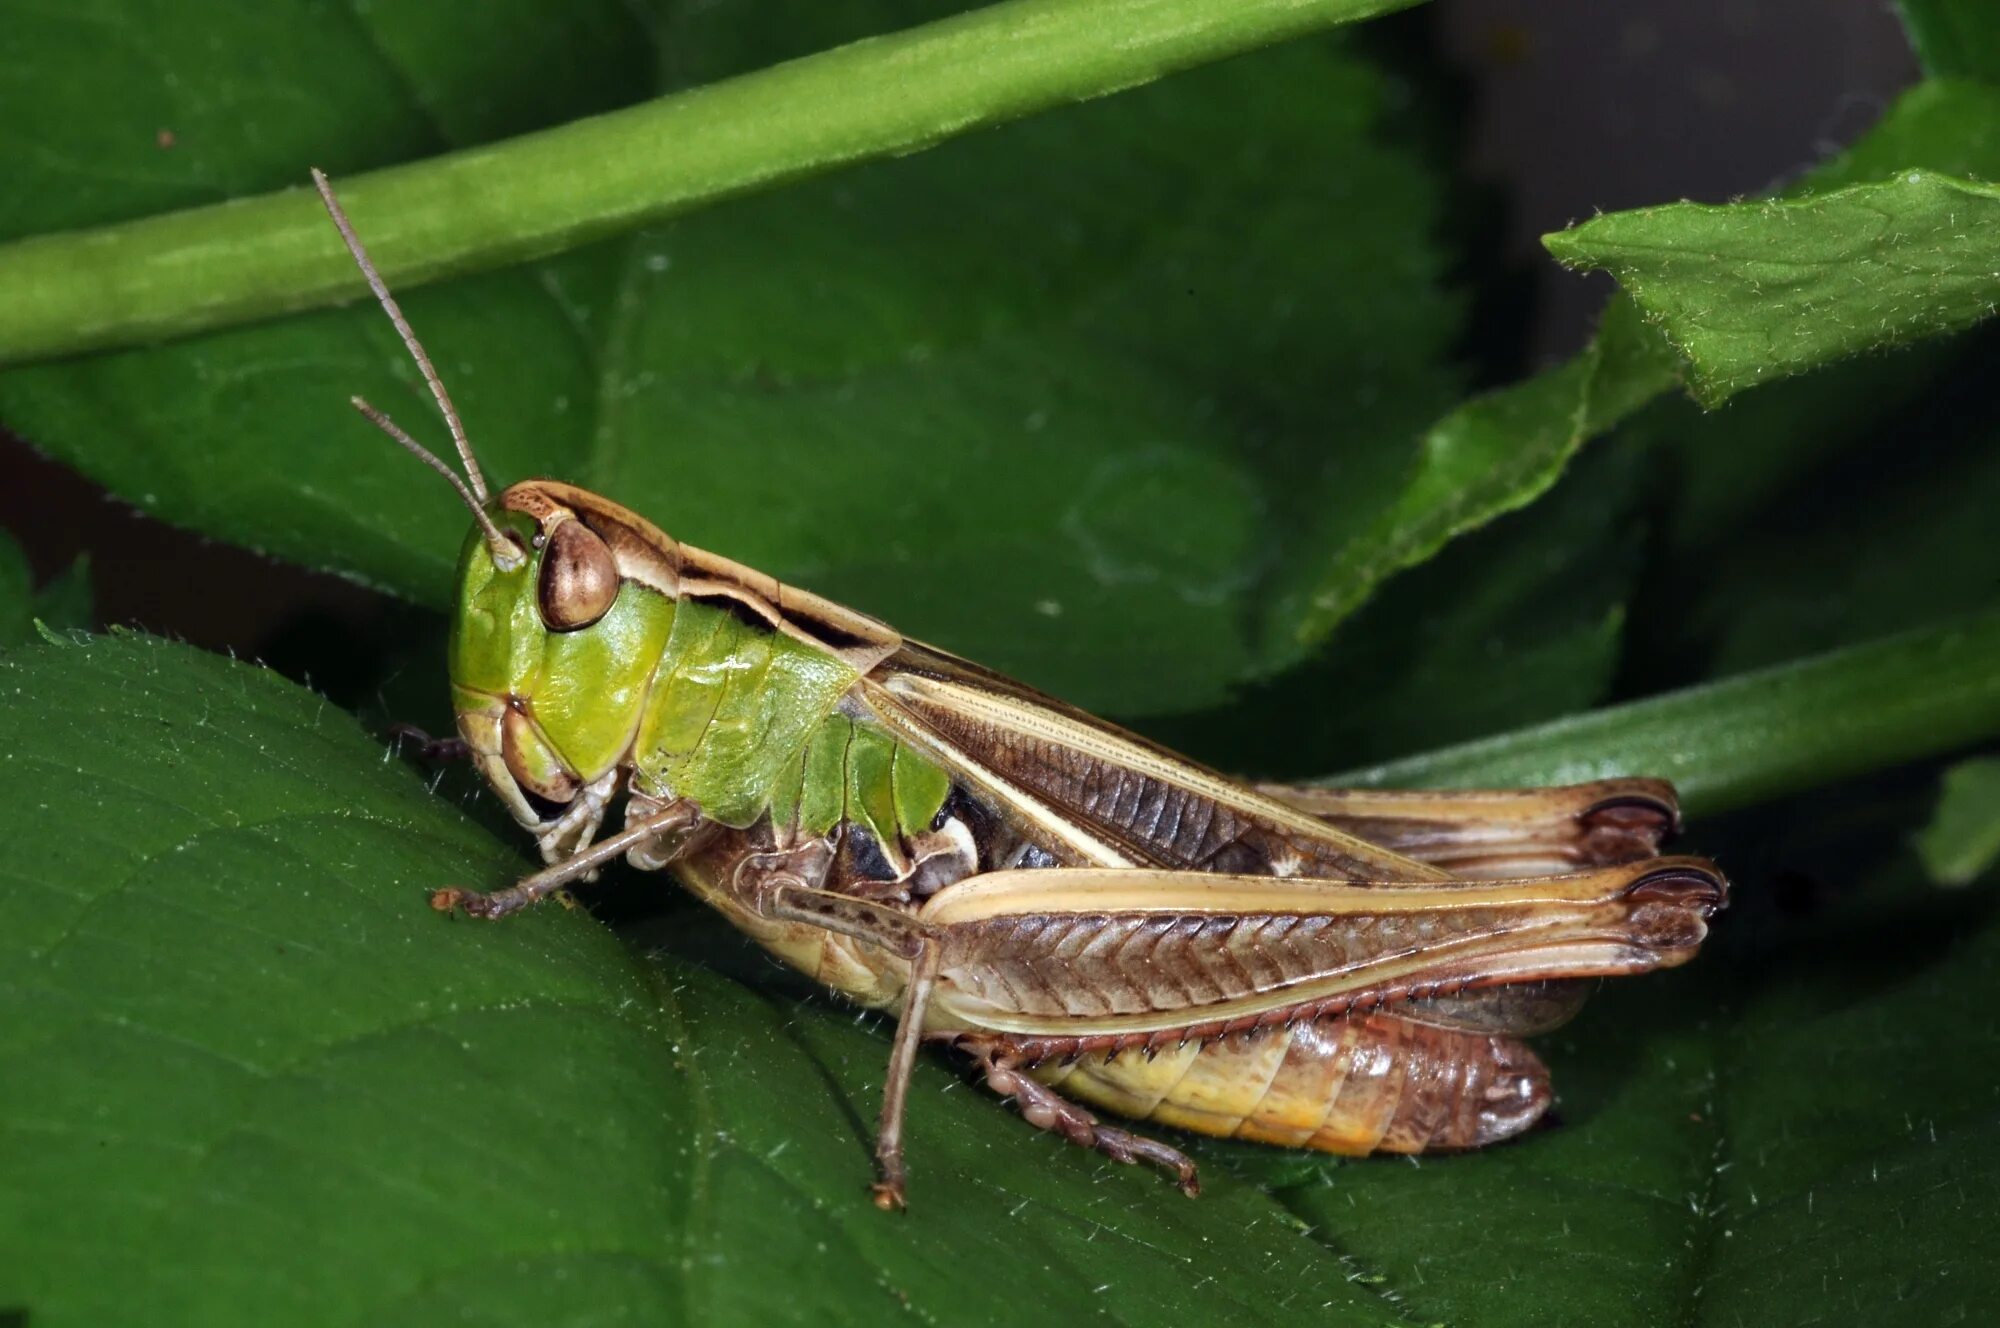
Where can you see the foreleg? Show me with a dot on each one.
(429, 750)
(677, 818)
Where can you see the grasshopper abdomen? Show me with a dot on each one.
(1351, 1084)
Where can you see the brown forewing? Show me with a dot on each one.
(1095, 794)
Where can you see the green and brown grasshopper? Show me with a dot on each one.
(1092, 918)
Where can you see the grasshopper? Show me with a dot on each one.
(1092, 918)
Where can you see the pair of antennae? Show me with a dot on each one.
(506, 553)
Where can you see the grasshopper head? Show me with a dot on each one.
(564, 602)
(554, 638)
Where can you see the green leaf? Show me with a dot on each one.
(1758, 735)
(1750, 292)
(1517, 623)
(61, 605)
(1837, 505)
(1499, 452)
(1955, 36)
(253, 1079)
(882, 385)
(1963, 838)
(1486, 458)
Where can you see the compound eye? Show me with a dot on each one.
(579, 578)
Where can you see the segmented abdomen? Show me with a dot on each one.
(1353, 1085)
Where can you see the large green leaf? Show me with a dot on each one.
(1750, 292)
(1134, 397)
(253, 1079)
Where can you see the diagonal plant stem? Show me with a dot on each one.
(1759, 735)
(543, 192)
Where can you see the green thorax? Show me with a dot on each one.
(699, 702)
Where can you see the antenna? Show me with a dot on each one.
(505, 552)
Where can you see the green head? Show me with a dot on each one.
(555, 636)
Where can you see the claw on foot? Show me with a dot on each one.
(431, 750)
(888, 1196)
(472, 903)
(1124, 1146)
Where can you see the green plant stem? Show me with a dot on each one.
(1757, 736)
(483, 207)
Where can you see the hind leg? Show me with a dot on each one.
(1495, 833)
(1045, 1109)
